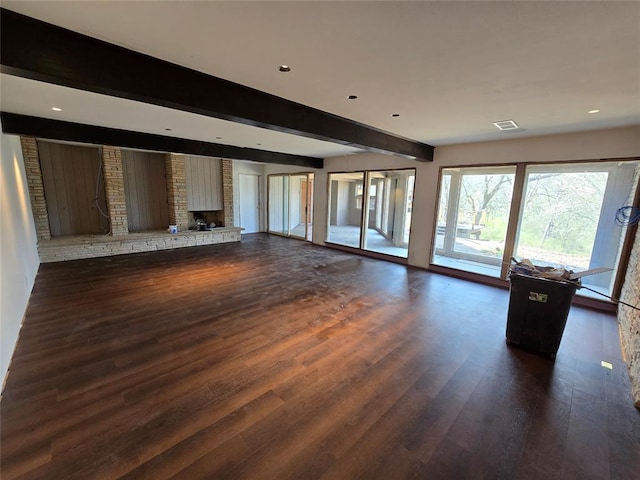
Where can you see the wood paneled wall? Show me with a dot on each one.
(145, 187)
(73, 186)
(204, 183)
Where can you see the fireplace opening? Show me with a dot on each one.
(206, 220)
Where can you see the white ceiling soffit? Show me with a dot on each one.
(450, 69)
(29, 97)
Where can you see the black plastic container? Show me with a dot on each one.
(538, 311)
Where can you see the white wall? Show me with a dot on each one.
(271, 168)
(591, 145)
(18, 247)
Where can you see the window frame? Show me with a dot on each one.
(455, 187)
(516, 209)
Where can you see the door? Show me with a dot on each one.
(249, 202)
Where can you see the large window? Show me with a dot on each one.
(372, 210)
(563, 215)
(473, 214)
(568, 217)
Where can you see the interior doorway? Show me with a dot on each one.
(249, 202)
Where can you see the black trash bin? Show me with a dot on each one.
(538, 310)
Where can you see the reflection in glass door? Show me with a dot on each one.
(390, 201)
(298, 206)
(290, 207)
(372, 210)
(307, 192)
(346, 193)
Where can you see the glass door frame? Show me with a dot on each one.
(330, 206)
(308, 206)
(365, 211)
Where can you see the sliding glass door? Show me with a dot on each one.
(290, 209)
(389, 212)
(299, 204)
(371, 210)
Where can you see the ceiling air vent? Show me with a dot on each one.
(506, 125)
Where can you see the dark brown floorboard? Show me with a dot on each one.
(276, 359)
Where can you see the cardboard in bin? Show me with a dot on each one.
(526, 267)
(591, 271)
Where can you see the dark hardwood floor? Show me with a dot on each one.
(276, 359)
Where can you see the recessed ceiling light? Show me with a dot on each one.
(594, 111)
(395, 114)
(352, 97)
(219, 138)
(56, 109)
(168, 129)
(505, 125)
(284, 68)
(258, 144)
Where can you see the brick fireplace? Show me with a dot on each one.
(120, 240)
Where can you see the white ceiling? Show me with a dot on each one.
(29, 97)
(449, 69)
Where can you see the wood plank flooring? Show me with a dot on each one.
(276, 359)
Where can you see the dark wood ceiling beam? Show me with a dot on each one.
(76, 132)
(40, 51)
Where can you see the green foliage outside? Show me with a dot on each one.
(495, 230)
(560, 214)
(487, 199)
(561, 211)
